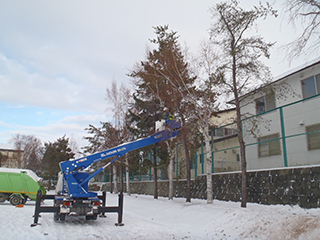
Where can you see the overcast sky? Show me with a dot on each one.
(58, 57)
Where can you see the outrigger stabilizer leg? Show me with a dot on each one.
(36, 211)
(118, 209)
(39, 209)
(55, 209)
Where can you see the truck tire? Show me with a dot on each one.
(3, 197)
(59, 216)
(62, 217)
(16, 200)
(56, 217)
(91, 217)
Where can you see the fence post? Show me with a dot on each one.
(150, 157)
(202, 158)
(177, 161)
(283, 136)
(195, 163)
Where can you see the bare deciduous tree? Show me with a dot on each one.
(3, 158)
(120, 98)
(307, 12)
(240, 69)
(31, 151)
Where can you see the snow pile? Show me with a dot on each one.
(147, 218)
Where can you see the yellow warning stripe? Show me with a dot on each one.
(18, 192)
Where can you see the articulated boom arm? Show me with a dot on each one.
(77, 180)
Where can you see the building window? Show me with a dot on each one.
(265, 103)
(219, 132)
(313, 139)
(224, 132)
(229, 131)
(311, 86)
(260, 105)
(267, 147)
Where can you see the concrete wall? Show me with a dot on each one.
(279, 186)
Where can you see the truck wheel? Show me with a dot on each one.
(91, 217)
(62, 217)
(56, 217)
(24, 200)
(3, 197)
(16, 200)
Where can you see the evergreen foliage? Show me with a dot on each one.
(56, 152)
(162, 80)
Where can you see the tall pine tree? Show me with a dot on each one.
(163, 80)
(55, 153)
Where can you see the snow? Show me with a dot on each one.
(148, 218)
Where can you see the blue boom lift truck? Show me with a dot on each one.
(73, 197)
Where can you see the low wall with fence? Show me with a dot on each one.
(294, 186)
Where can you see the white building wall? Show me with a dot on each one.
(296, 118)
(268, 124)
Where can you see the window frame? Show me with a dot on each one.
(272, 150)
(310, 136)
(219, 132)
(316, 86)
(258, 106)
(268, 101)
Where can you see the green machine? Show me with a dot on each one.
(19, 185)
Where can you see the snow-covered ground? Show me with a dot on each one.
(147, 218)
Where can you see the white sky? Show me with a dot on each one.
(58, 57)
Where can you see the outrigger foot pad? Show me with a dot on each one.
(35, 224)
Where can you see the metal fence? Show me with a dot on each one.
(285, 136)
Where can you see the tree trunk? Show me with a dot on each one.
(121, 177)
(49, 184)
(115, 181)
(240, 135)
(111, 179)
(171, 172)
(155, 169)
(186, 149)
(171, 179)
(127, 175)
(208, 166)
(243, 162)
